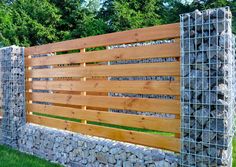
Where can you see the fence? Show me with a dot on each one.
(71, 80)
(126, 86)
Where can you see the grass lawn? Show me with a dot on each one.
(13, 158)
(234, 152)
(9, 158)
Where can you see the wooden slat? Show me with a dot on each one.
(151, 51)
(158, 141)
(130, 36)
(137, 121)
(146, 69)
(0, 113)
(125, 103)
(83, 93)
(136, 87)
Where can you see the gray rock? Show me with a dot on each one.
(213, 152)
(217, 125)
(187, 96)
(187, 110)
(198, 74)
(127, 164)
(189, 58)
(202, 115)
(105, 149)
(162, 163)
(223, 13)
(111, 159)
(201, 57)
(114, 150)
(225, 39)
(207, 136)
(102, 157)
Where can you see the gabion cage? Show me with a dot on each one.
(207, 87)
(13, 93)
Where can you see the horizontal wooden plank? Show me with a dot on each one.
(151, 140)
(130, 120)
(130, 36)
(79, 107)
(152, 51)
(125, 103)
(146, 69)
(136, 87)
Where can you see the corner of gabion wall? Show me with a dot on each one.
(207, 87)
(13, 93)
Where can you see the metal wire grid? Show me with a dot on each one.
(234, 85)
(13, 92)
(207, 144)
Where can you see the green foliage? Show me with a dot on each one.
(34, 22)
(234, 151)
(129, 14)
(22, 23)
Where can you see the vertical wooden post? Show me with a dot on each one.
(83, 79)
(30, 90)
(177, 79)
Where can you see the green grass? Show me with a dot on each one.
(13, 158)
(234, 151)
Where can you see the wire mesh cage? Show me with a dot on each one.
(207, 87)
(13, 92)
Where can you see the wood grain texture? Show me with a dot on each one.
(131, 36)
(124, 103)
(130, 120)
(158, 141)
(145, 69)
(142, 52)
(83, 79)
(136, 87)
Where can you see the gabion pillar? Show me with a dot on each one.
(13, 93)
(207, 88)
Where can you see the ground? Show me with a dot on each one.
(234, 152)
(9, 157)
(12, 158)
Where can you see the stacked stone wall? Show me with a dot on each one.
(76, 150)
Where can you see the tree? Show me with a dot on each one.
(33, 22)
(79, 18)
(24, 24)
(128, 14)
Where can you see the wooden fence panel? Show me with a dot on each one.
(131, 36)
(76, 85)
(165, 142)
(136, 87)
(137, 121)
(147, 69)
(150, 51)
(125, 103)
